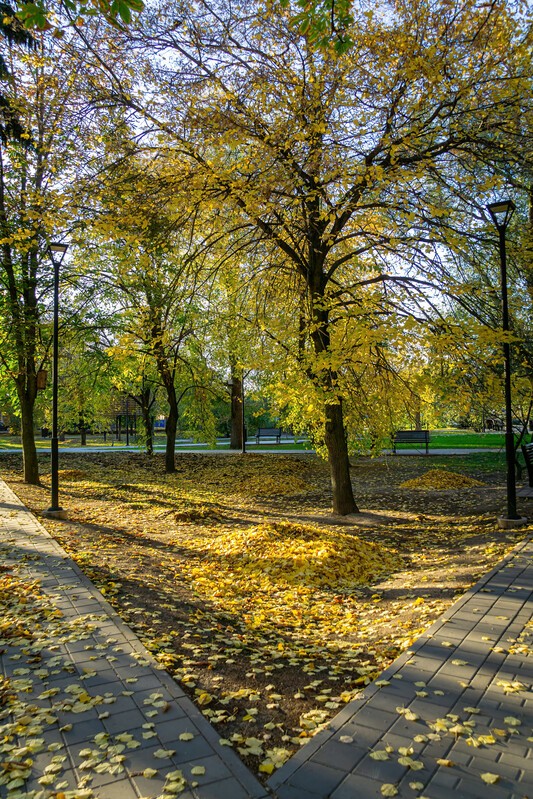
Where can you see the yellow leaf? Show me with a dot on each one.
(380, 754)
(490, 778)
(198, 771)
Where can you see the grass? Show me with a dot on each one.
(439, 439)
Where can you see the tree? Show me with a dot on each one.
(336, 163)
(13, 31)
(32, 169)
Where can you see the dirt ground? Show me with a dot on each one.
(270, 611)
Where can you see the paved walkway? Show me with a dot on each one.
(86, 712)
(456, 706)
(94, 710)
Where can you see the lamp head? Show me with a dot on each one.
(501, 213)
(56, 246)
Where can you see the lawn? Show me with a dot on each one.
(268, 610)
(439, 439)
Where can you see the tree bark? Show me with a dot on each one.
(148, 424)
(326, 379)
(83, 432)
(237, 408)
(171, 428)
(339, 462)
(145, 401)
(29, 450)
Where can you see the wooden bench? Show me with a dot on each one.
(527, 452)
(411, 437)
(269, 433)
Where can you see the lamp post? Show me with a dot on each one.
(57, 253)
(501, 213)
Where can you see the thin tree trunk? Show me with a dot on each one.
(146, 402)
(237, 409)
(172, 426)
(83, 432)
(148, 424)
(29, 450)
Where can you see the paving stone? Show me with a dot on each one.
(318, 778)
(343, 755)
(356, 786)
(224, 789)
(382, 770)
(119, 789)
(124, 722)
(288, 791)
(215, 770)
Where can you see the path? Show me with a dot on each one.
(91, 692)
(456, 706)
(95, 711)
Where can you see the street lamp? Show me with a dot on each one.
(57, 253)
(501, 213)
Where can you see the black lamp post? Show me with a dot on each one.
(57, 253)
(501, 213)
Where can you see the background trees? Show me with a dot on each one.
(349, 186)
(35, 154)
(351, 169)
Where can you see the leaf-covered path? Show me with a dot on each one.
(452, 716)
(86, 712)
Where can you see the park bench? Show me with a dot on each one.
(268, 433)
(527, 452)
(411, 437)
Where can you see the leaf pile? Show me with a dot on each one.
(440, 479)
(284, 573)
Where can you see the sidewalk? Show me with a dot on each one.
(452, 717)
(94, 710)
(86, 712)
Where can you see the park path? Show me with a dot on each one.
(93, 695)
(456, 706)
(451, 717)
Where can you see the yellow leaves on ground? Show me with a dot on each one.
(490, 778)
(269, 621)
(264, 486)
(440, 479)
(279, 572)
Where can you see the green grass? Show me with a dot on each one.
(466, 439)
(443, 439)
(438, 439)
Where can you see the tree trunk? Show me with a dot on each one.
(148, 424)
(172, 426)
(29, 450)
(326, 378)
(237, 408)
(83, 432)
(339, 462)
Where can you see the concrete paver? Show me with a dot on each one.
(452, 716)
(96, 713)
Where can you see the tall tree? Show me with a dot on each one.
(33, 165)
(339, 163)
